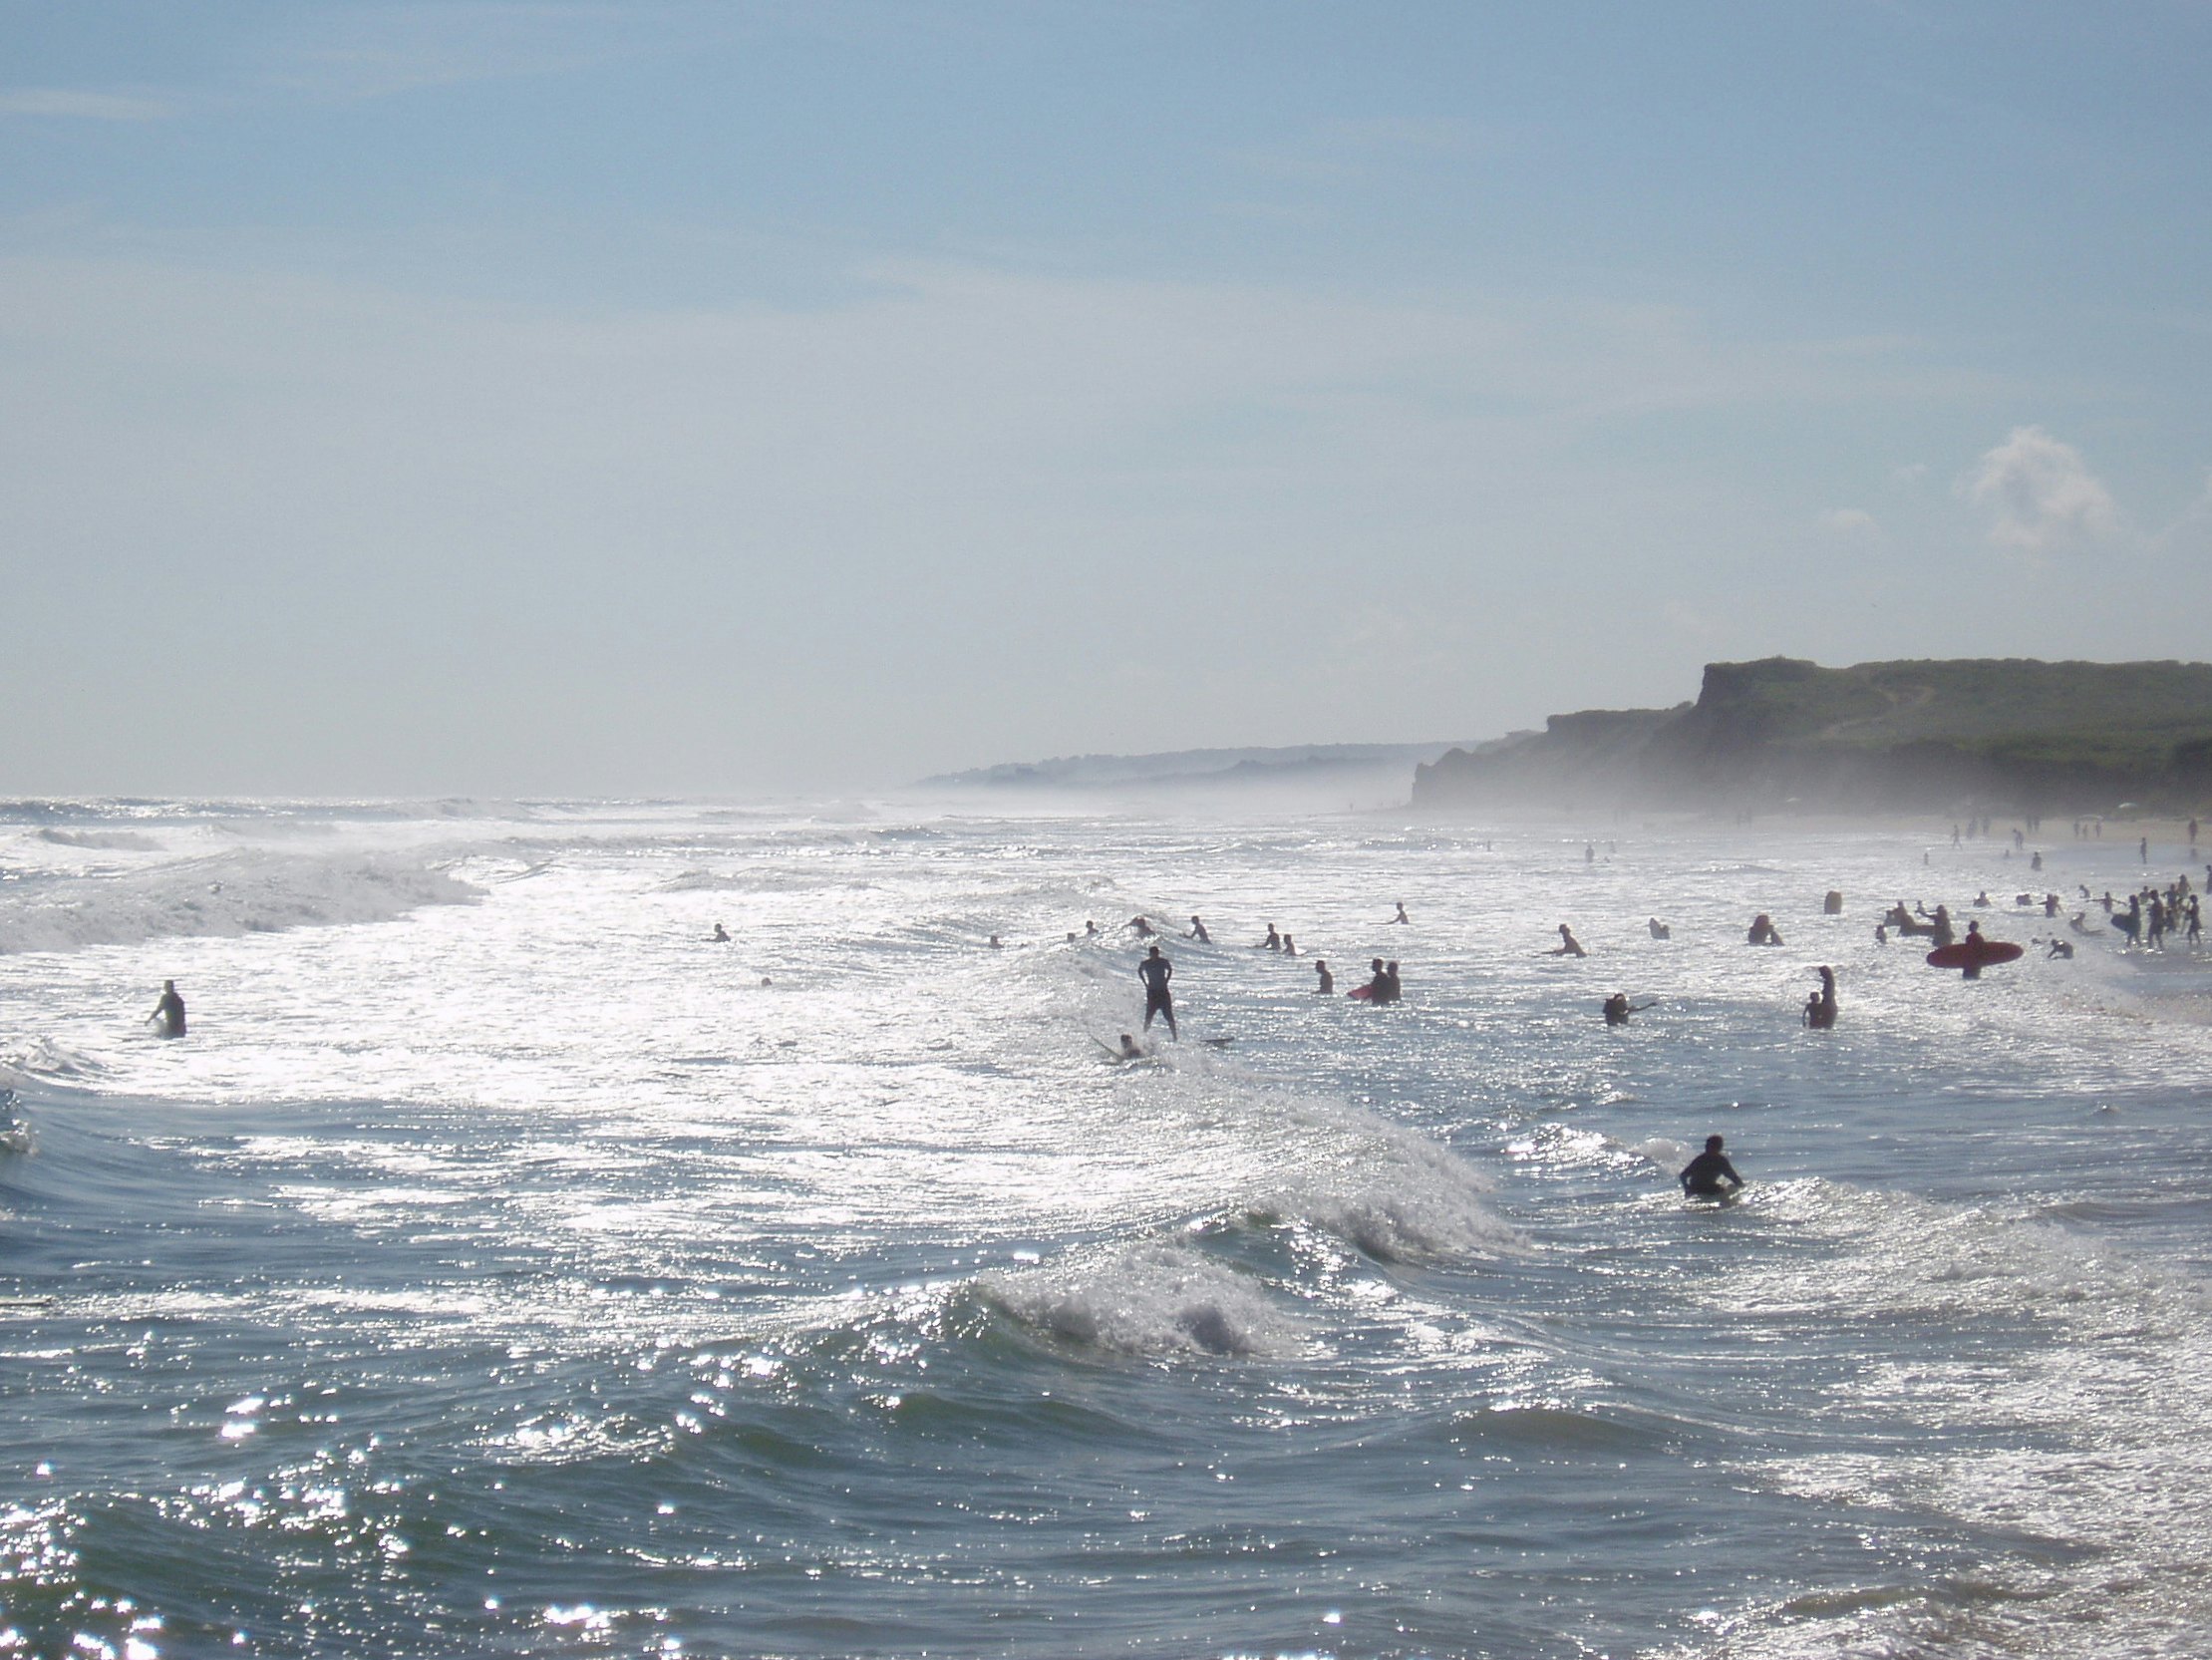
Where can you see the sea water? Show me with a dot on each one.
(503, 1266)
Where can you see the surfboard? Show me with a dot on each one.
(1972, 954)
(1361, 994)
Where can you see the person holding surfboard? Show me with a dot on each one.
(1703, 1175)
(169, 1011)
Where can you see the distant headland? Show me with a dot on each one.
(2004, 733)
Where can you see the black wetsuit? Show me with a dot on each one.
(169, 1011)
(1703, 1177)
(1155, 972)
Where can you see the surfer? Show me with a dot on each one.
(1401, 916)
(997, 944)
(1290, 946)
(1618, 1008)
(169, 1011)
(721, 935)
(1820, 1005)
(1762, 931)
(1658, 929)
(1155, 971)
(1568, 945)
(1328, 981)
(1392, 990)
(1198, 932)
(1703, 1175)
(1130, 1049)
(1273, 941)
(1143, 928)
(2061, 948)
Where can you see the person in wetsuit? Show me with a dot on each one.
(1155, 971)
(169, 1011)
(1618, 1008)
(1327, 985)
(1820, 1005)
(1568, 945)
(1401, 916)
(1703, 1177)
(1198, 932)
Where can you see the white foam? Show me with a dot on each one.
(227, 896)
(1156, 1298)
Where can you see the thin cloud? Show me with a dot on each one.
(2041, 496)
(72, 104)
(1851, 522)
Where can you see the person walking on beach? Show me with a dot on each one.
(1155, 971)
(169, 1011)
(1703, 1175)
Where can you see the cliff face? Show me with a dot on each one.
(2055, 737)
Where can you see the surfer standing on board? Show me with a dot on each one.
(169, 1011)
(1155, 971)
(1703, 1175)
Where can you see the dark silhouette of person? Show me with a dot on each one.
(1618, 1008)
(1660, 931)
(1155, 971)
(1393, 990)
(169, 1011)
(1568, 945)
(1703, 1177)
(1198, 932)
(1130, 1049)
(1274, 940)
(1401, 916)
(1820, 1006)
(1327, 985)
(1144, 927)
(1762, 931)
(721, 935)
(1290, 946)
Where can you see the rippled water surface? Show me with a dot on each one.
(501, 1266)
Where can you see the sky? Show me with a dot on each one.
(773, 395)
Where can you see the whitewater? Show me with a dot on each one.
(502, 1265)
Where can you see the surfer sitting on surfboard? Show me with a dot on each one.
(1703, 1175)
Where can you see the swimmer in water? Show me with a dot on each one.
(1703, 1175)
(1401, 916)
(1290, 947)
(1820, 1006)
(721, 935)
(1327, 985)
(1394, 991)
(1155, 971)
(1618, 1008)
(1762, 931)
(1273, 941)
(169, 1011)
(997, 944)
(1198, 932)
(1568, 945)
(1143, 928)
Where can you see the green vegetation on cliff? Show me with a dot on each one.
(2055, 737)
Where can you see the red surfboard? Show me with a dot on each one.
(1972, 954)
(1361, 993)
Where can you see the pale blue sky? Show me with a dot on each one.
(537, 397)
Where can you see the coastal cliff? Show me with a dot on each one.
(1781, 732)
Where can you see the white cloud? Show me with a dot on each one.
(2041, 495)
(82, 105)
(1851, 522)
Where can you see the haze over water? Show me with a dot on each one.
(499, 1266)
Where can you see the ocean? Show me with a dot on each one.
(503, 1266)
